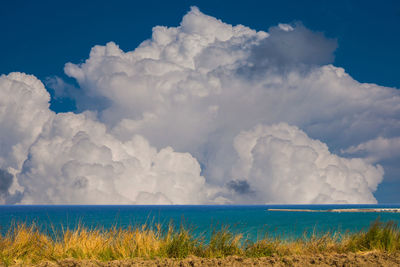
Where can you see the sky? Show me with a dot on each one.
(199, 102)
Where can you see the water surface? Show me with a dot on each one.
(254, 221)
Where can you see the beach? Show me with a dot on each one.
(332, 259)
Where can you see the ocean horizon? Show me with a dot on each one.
(254, 221)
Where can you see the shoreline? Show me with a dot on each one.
(390, 210)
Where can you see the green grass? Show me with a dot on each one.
(26, 244)
(380, 236)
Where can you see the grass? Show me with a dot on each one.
(28, 245)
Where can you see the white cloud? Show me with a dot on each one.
(76, 161)
(281, 164)
(193, 89)
(377, 149)
(285, 27)
(24, 108)
(196, 86)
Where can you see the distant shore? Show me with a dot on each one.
(392, 210)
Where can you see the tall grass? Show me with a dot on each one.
(28, 245)
(380, 236)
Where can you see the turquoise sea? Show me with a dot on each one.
(253, 221)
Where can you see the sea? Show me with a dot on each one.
(253, 221)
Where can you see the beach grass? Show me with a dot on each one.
(24, 244)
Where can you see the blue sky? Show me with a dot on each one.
(40, 37)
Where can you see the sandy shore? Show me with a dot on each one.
(332, 259)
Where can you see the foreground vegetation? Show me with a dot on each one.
(27, 245)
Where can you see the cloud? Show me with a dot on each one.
(71, 158)
(240, 186)
(377, 149)
(196, 86)
(285, 27)
(24, 108)
(5, 181)
(76, 161)
(150, 117)
(291, 47)
(283, 165)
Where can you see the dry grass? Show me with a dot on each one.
(26, 244)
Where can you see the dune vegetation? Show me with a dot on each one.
(24, 244)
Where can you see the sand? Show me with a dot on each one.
(331, 259)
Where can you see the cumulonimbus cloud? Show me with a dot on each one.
(75, 160)
(174, 121)
(282, 160)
